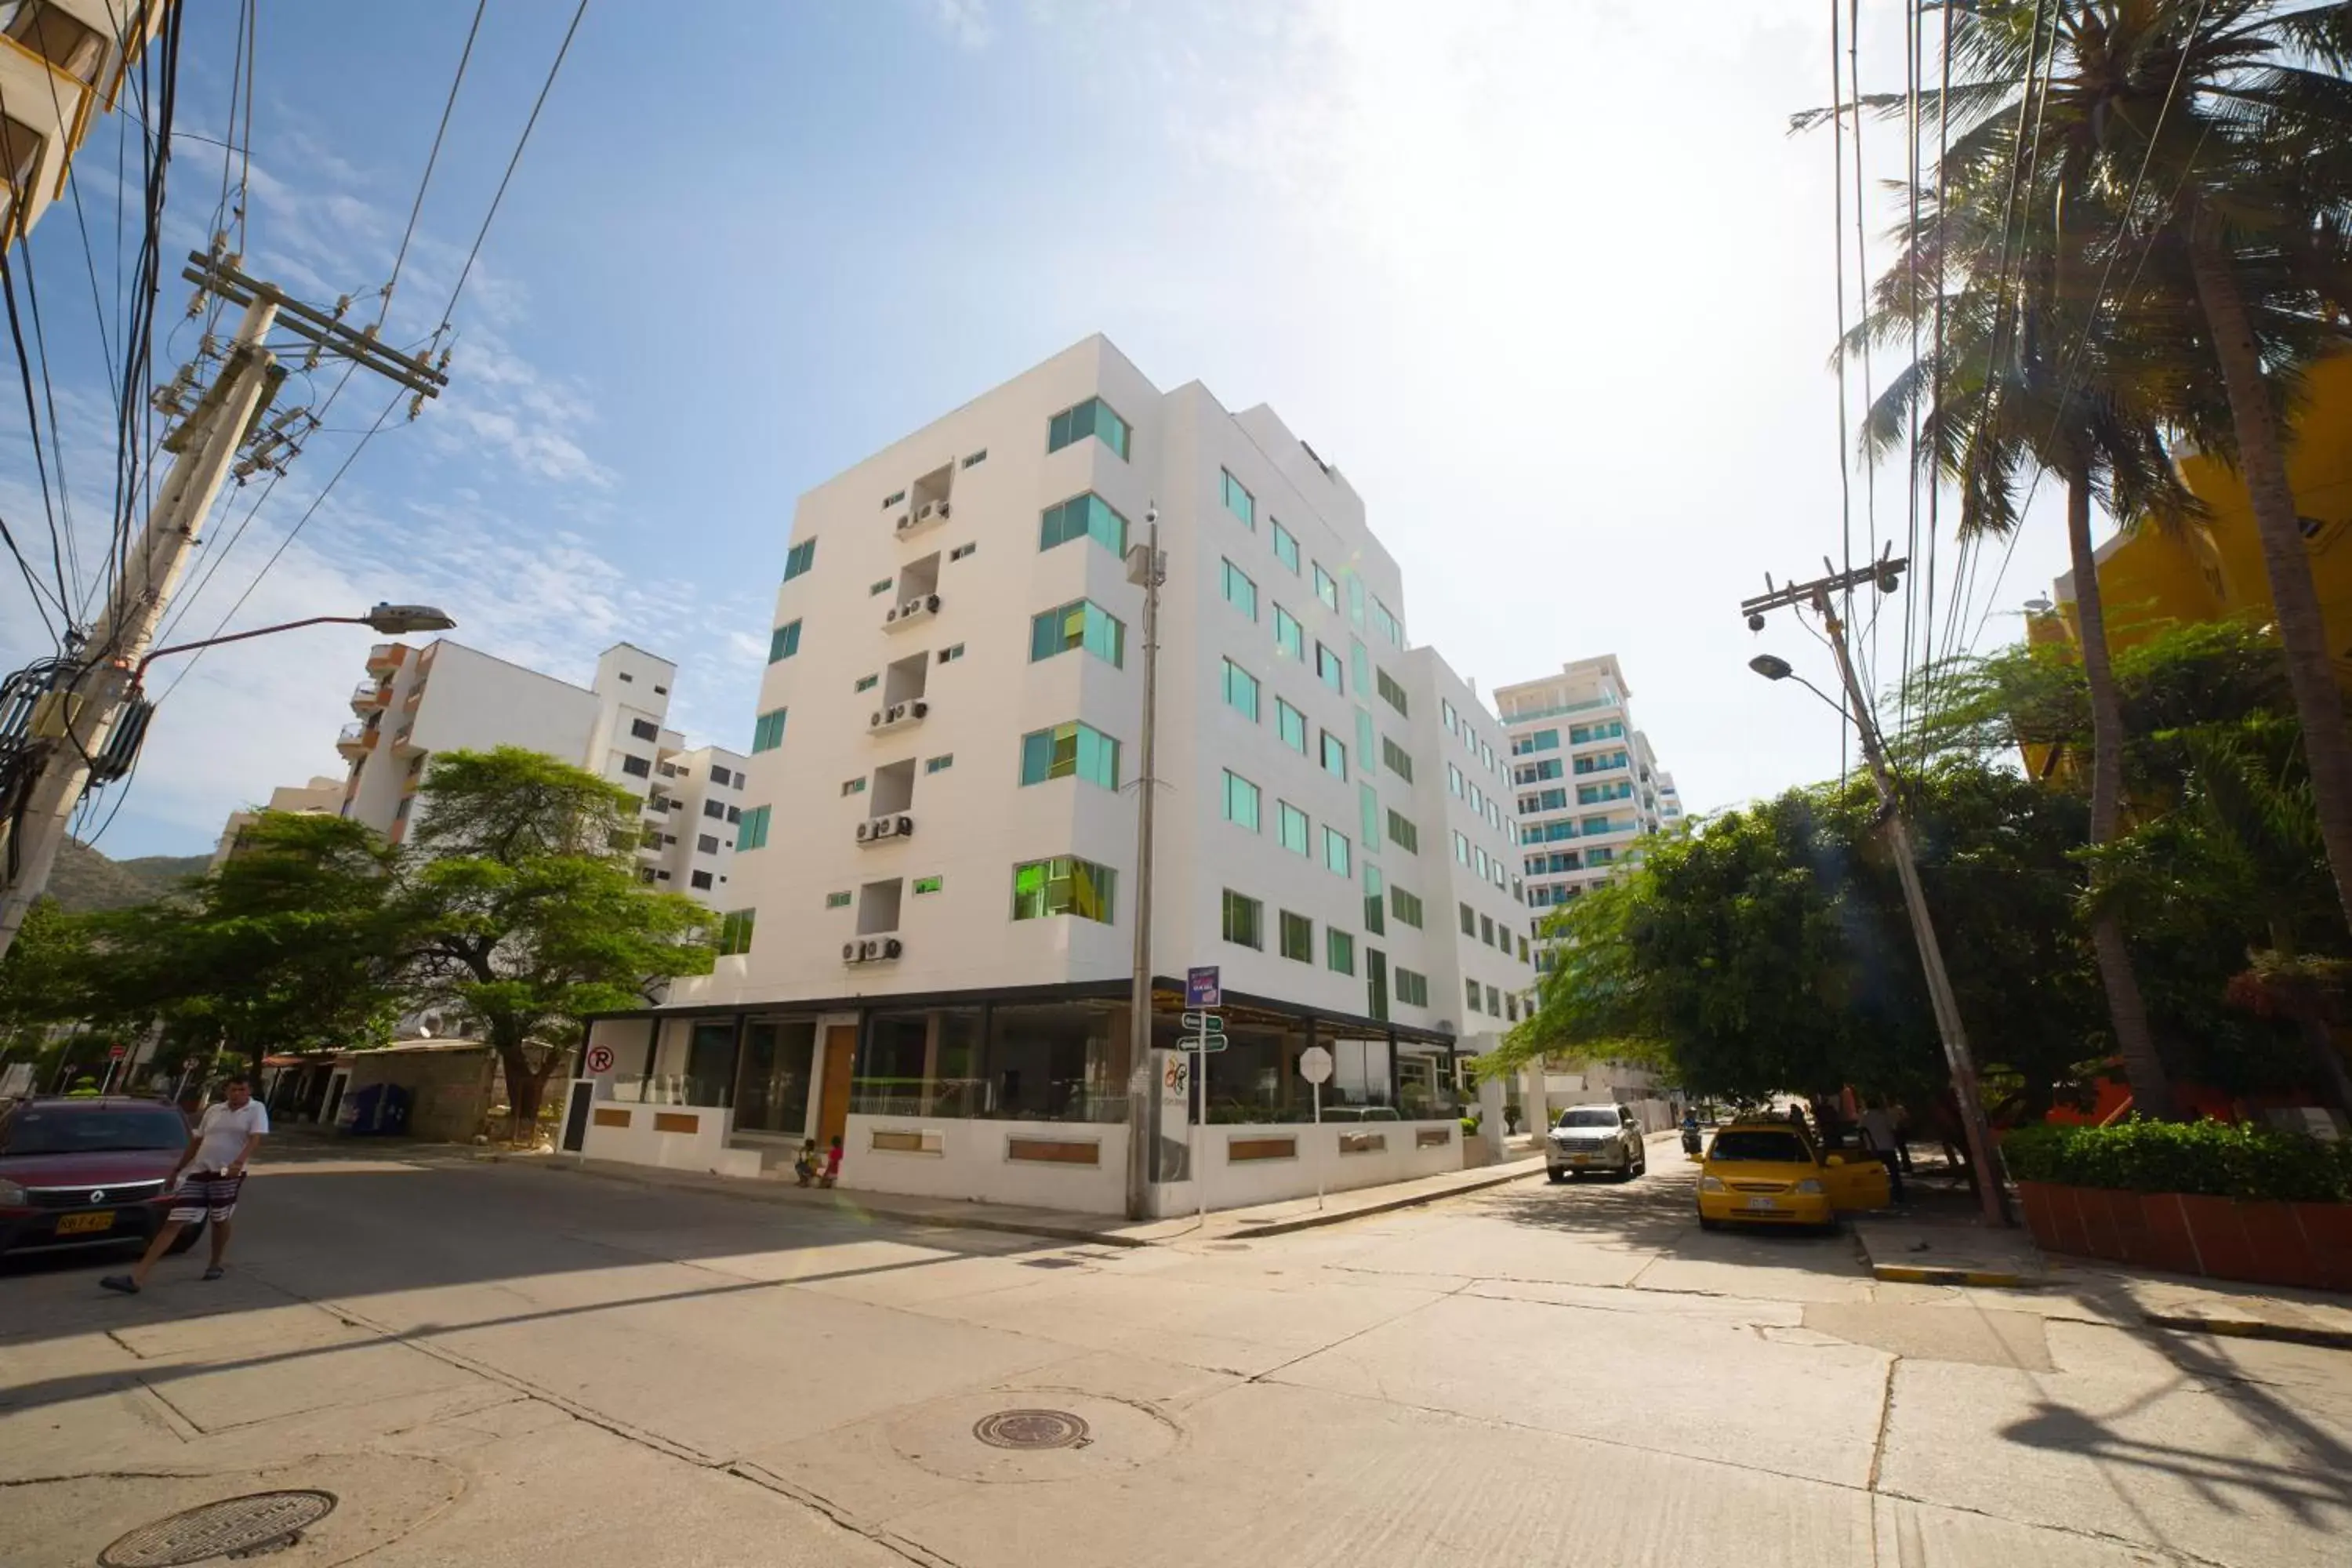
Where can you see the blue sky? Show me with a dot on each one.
(1548, 280)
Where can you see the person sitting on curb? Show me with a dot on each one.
(804, 1168)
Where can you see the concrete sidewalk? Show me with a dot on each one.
(1056, 1225)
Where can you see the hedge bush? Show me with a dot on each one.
(2214, 1159)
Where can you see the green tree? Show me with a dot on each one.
(293, 944)
(524, 887)
(41, 982)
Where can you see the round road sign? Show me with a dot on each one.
(1314, 1065)
(599, 1059)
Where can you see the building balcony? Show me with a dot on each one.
(403, 741)
(356, 739)
(919, 518)
(367, 697)
(385, 657)
(920, 608)
(898, 715)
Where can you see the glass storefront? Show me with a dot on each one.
(772, 1087)
(1042, 1062)
(710, 1063)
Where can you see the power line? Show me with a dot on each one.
(434, 156)
(1837, 250)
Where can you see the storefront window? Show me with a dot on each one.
(772, 1088)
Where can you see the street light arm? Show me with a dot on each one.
(139, 671)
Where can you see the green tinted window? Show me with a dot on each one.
(1241, 802)
(1289, 636)
(1070, 751)
(1081, 623)
(1090, 515)
(768, 732)
(1327, 587)
(1238, 500)
(784, 642)
(754, 832)
(1240, 592)
(1240, 691)
(1291, 827)
(1291, 724)
(1092, 418)
(1244, 921)
(1338, 950)
(1285, 548)
(1298, 937)
(1063, 885)
(1337, 857)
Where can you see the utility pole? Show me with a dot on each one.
(91, 719)
(1958, 1059)
(1147, 567)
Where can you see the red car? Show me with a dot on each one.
(87, 1172)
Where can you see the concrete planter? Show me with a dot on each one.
(2265, 1243)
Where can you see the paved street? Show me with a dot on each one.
(497, 1363)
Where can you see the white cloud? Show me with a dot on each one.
(966, 21)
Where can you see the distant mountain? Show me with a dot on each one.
(86, 879)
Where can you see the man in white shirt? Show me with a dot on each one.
(226, 1137)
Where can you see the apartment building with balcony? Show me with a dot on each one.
(62, 65)
(929, 939)
(444, 696)
(323, 796)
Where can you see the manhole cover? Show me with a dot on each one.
(1031, 1429)
(229, 1528)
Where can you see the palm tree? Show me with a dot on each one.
(2218, 134)
(2005, 385)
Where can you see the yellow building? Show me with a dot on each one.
(2152, 575)
(62, 64)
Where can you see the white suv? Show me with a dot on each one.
(1595, 1138)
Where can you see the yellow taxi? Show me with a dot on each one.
(1771, 1173)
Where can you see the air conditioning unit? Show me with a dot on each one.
(865, 831)
(895, 711)
(849, 952)
(894, 613)
(891, 947)
(931, 510)
(882, 827)
(905, 825)
(905, 521)
(931, 603)
(874, 722)
(915, 606)
(919, 706)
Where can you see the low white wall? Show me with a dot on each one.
(970, 1159)
(1240, 1184)
(656, 1135)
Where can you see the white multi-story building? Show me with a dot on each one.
(448, 697)
(61, 66)
(1587, 786)
(932, 933)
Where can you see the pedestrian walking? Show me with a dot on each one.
(214, 1165)
(832, 1164)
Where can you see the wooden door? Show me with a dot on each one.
(833, 1105)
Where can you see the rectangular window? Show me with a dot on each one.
(1285, 548)
(867, 682)
(1393, 756)
(1327, 587)
(1092, 418)
(644, 729)
(1289, 636)
(1063, 885)
(1244, 921)
(1403, 833)
(784, 642)
(768, 730)
(1240, 691)
(973, 461)
(940, 764)
(1494, 1003)
(1478, 801)
(952, 653)
(1470, 994)
(1081, 623)
(1406, 907)
(1541, 741)
(1355, 600)
(1522, 950)
(799, 559)
(1454, 781)
(1298, 937)
(1338, 950)
(1411, 990)
(1537, 771)
(1087, 515)
(1070, 751)
(715, 809)
(754, 834)
(1241, 802)
(735, 933)
(1486, 930)
(1376, 903)
(852, 787)
(1360, 662)
(958, 553)
(1469, 920)
(1462, 849)
(1329, 670)
(1335, 755)
(1240, 592)
(1368, 806)
(1291, 725)
(1337, 854)
(1290, 824)
(931, 884)
(1238, 500)
(1391, 692)
(1600, 856)
(637, 767)
(1479, 863)
(706, 844)
(880, 585)
(837, 901)
(1386, 623)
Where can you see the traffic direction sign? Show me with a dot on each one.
(1205, 1023)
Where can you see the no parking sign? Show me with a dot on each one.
(600, 1060)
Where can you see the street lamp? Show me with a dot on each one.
(1772, 666)
(394, 620)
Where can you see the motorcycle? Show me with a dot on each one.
(1690, 1141)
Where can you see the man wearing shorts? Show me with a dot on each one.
(225, 1138)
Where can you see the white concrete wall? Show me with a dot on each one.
(641, 1143)
(1252, 1182)
(970, 1162)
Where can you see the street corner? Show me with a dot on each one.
(330, 1509)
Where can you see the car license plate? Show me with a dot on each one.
(1580, 1158)
(83, 1223)
(1762, 1203)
